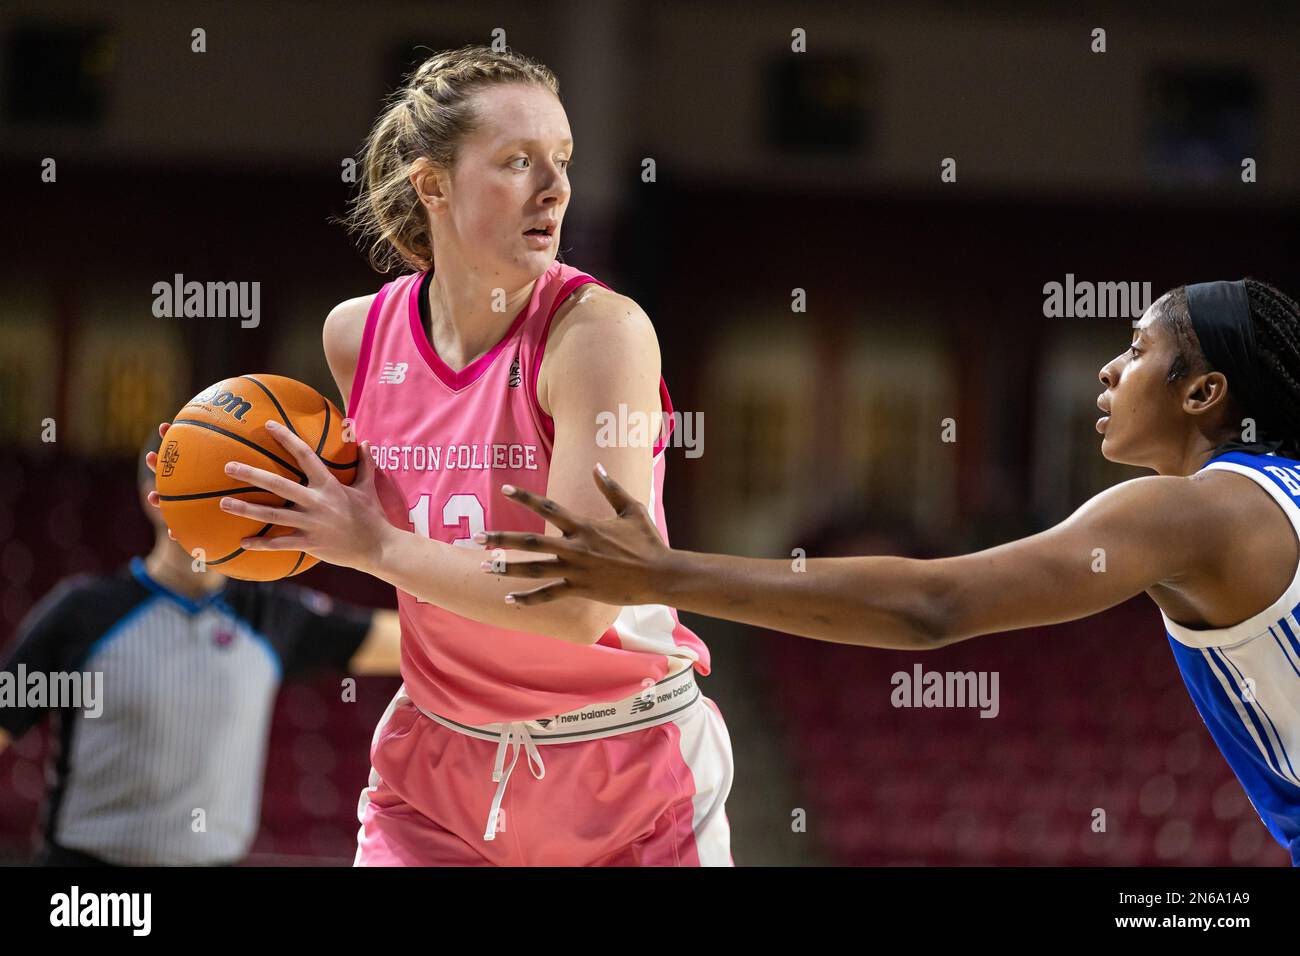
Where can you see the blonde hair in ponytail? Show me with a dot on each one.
(425, 118)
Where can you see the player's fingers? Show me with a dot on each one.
(614, 492)
(162, 429)
(284, 542)
(543, 595)
(523, 541)
(302, 453)
(545, 568)
(555, 513)
(259, 478)
(248, 509)
(170, 534)
(367, 479)
(365, 466)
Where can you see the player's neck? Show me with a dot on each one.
(173, 569)
(1197, 449)
(469, 315)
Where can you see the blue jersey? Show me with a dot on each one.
(1245, 679)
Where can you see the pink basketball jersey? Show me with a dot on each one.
(447, 441)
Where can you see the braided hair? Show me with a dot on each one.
(1276, 319)
(427, 117)
(1277, 341)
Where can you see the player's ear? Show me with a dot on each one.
(429, 183)
(1205, 392)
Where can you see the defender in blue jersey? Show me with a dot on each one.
(1245, 679)
(1208, 397)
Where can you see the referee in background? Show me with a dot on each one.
(191, 664)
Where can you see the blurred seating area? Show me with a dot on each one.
(1093, 716)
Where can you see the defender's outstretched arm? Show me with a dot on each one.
(1126, 539)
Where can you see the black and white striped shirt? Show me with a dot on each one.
(170, 773)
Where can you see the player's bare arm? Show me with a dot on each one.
(341, 336)
(1142, 534)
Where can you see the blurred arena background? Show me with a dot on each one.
(773, 171)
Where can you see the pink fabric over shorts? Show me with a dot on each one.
(651, 797)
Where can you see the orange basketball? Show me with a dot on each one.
(227, 422)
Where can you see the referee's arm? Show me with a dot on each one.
(313, 632)
(41, 647)
(381, 651)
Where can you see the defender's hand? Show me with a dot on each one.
(614, 560)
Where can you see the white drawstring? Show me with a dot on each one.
(592, 722)
(512, 734)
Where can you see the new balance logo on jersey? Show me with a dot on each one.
(515, 377)
(393, 373)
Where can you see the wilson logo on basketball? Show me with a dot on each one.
(515, 377)
(225, 400)
(393, 373)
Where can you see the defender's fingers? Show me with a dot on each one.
(614, 493)
(543, 595)
(555, 513)
(545, 568)
(523, 541)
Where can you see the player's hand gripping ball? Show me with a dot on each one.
(281, 469)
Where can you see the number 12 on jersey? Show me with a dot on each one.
(460, 511)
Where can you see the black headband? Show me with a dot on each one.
(1220, 315)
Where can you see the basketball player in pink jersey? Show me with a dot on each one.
(492, 368)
